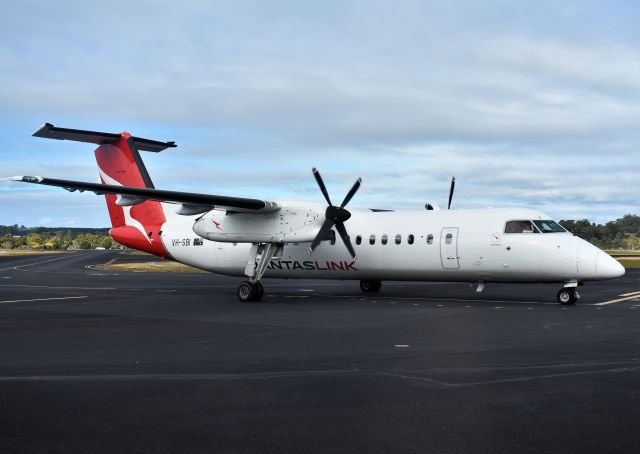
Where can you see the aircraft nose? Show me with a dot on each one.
(608, 267)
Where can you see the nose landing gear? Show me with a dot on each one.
(567, 296)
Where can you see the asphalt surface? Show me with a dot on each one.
(95, 361)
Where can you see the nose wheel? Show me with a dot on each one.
(250, 291)
(567, 296)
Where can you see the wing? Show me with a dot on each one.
(192, 203)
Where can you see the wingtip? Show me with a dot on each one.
(26, 179)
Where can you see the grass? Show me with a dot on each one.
(164, 266)
(15, 252)
(630, 262)
(614, 252)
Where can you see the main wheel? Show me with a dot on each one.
(259, 291)
(567, 296)
(370, 285)
(247, 292)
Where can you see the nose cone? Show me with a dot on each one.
(608, 267)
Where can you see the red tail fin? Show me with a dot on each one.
(138, 226)
(134, 224)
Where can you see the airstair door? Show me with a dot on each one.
(449, 248)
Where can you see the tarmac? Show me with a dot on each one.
(100, 361)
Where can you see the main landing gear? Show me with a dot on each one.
(568, 295)
(259, 257)
(370, 285)
(250, 291)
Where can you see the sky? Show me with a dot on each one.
(527, 103)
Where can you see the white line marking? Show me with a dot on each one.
(17, 267)
(401, 346)
(64, 288)
(629, 294)
(44, 299)
(604, 303)
(461, 300)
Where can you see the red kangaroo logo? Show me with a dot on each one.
(217, 224)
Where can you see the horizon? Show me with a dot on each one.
(109, 227)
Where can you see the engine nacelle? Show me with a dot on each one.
(287, 225)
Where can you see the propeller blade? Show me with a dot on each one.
(345, 238)
(353, 190)
(326, 226)
(453, 185)
(323, 188)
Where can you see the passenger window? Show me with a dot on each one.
(398, 239)
(358, 240)
(410, 239)
(429, 239)
(448, 238)
(372, 239)
(383, 239)
(520, 227)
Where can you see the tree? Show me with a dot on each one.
(632, 242)
(106, 242)
(34, 240)
(6, 242)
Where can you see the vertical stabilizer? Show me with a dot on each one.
(135, 224)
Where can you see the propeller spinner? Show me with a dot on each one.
(335, 215)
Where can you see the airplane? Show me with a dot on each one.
(257, 238)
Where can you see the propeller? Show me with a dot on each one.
(453, 185)
(335, 215)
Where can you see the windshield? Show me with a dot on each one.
(549, 226)
(519, 227)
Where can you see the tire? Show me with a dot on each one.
(247, 292)
(370, 285)
(259, 291)
(567, 296)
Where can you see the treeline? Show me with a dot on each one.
(54, 238)
(621, 233)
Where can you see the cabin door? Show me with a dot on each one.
(449, 248)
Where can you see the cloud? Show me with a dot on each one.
(532, 104)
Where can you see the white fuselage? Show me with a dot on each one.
(452, 245)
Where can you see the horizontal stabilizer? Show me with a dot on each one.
(49, 131)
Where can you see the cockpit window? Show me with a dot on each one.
(520, 227)
(549, 226)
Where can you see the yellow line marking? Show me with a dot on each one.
(44, 299)
(604, 303)
(629, 294)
